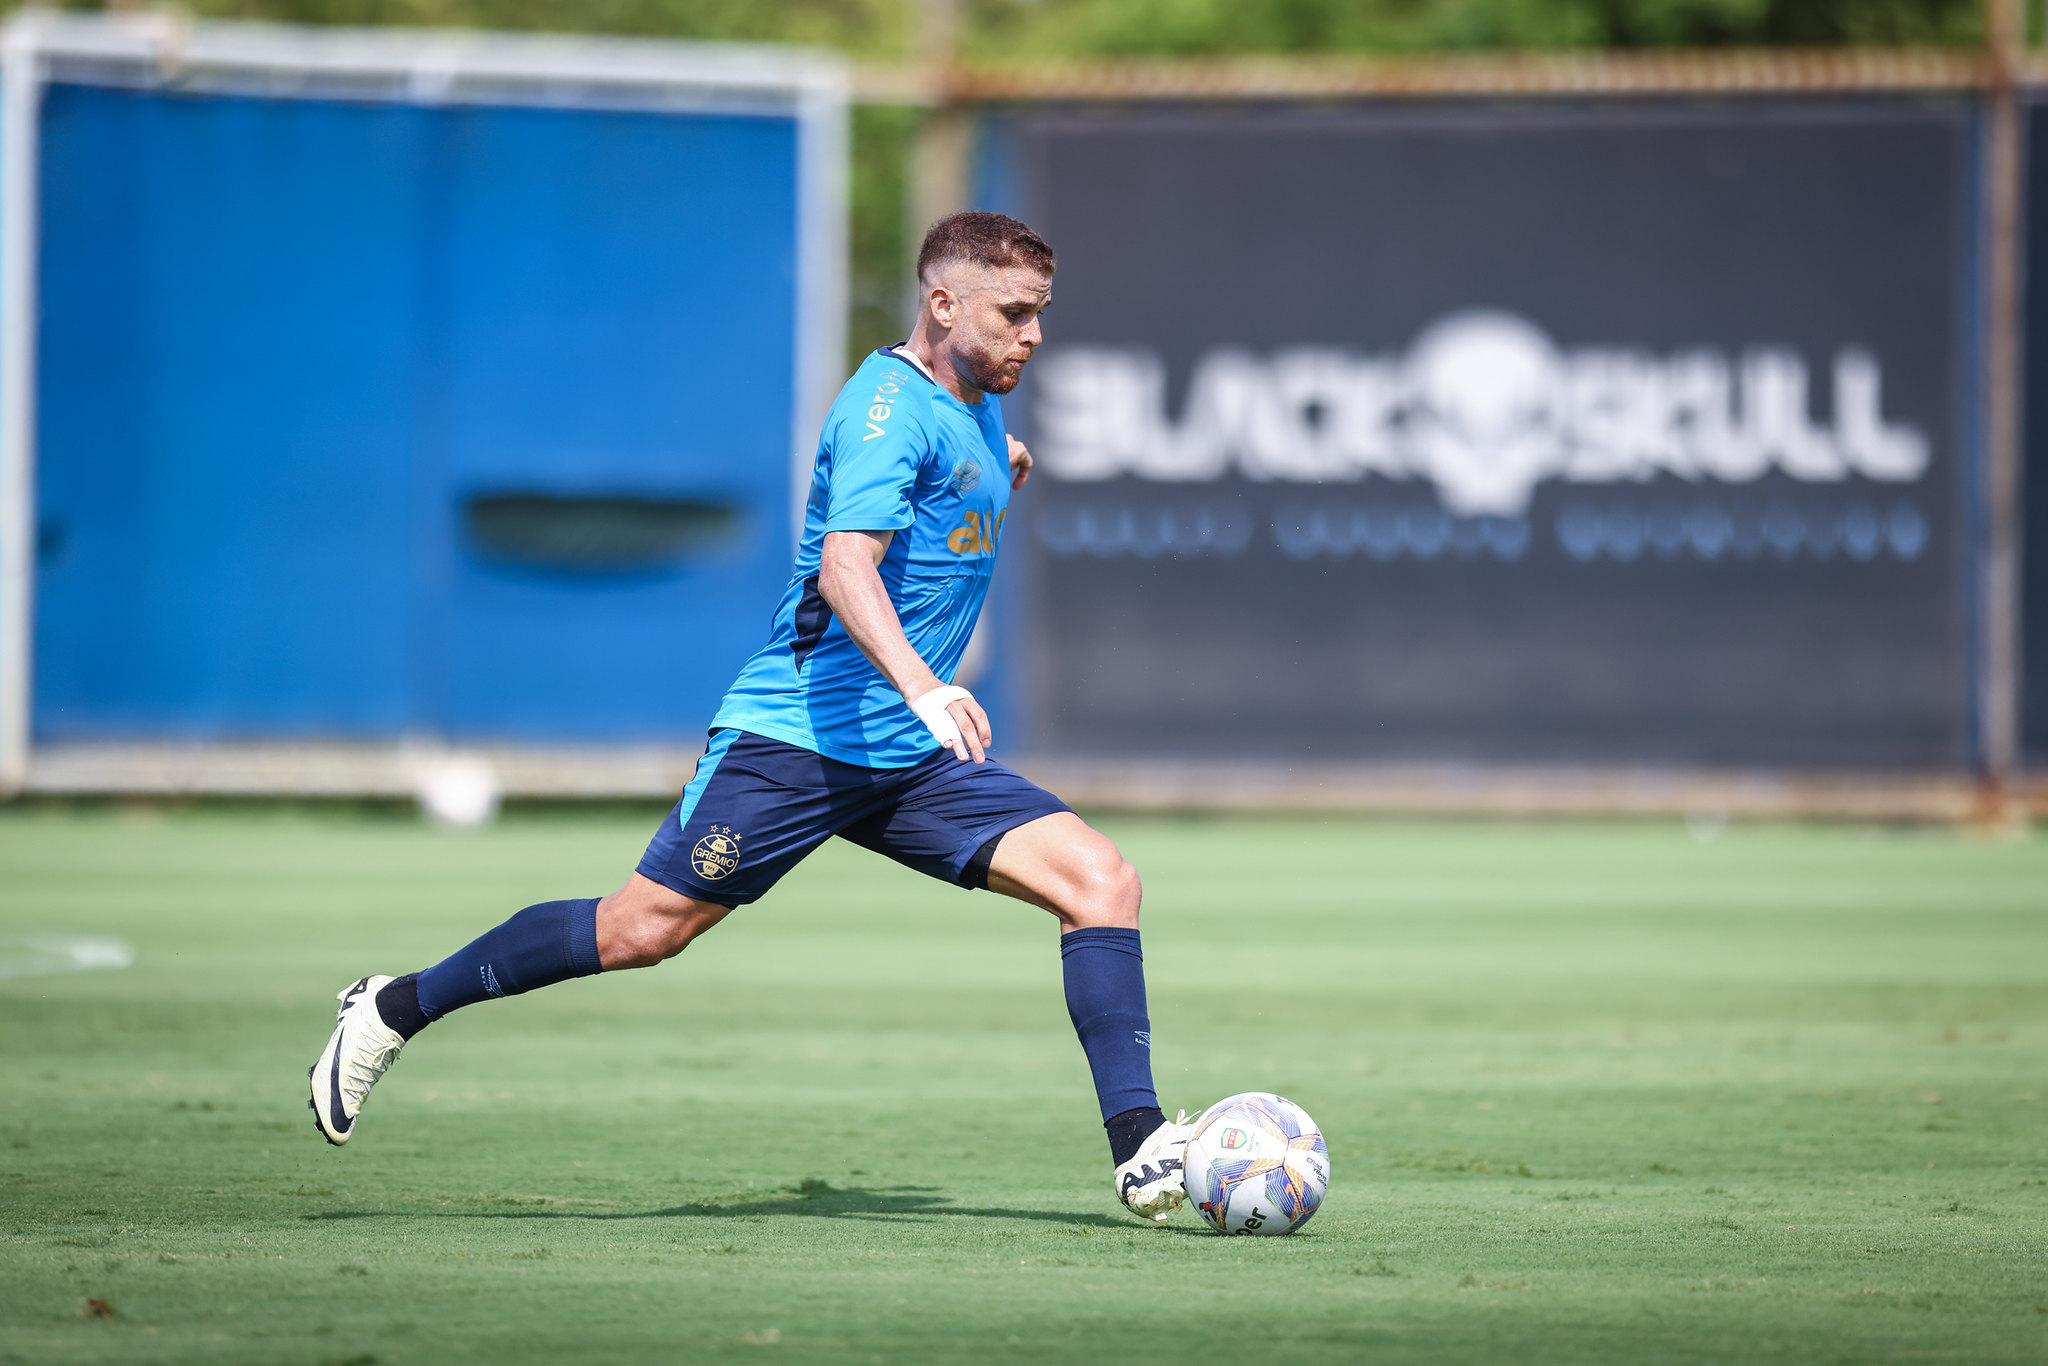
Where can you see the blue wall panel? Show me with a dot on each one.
(285, 344)
(226, 415)
(617, 317)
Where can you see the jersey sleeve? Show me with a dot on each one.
(876, 452)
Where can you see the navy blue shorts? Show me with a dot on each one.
(757, 806)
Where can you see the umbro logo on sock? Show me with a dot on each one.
(1145, 1176)
(491, 981)
(1143, 1036)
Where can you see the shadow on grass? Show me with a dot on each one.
(811, 1200)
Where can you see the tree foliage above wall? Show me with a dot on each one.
(998, 29)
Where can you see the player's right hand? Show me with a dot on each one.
(955, 720)
(974, 731)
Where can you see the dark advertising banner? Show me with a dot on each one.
(1624, 433)
(2034, 482)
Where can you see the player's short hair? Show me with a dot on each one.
(986, 239)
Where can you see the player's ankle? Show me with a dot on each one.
(399, 1006)
(1129, 1130)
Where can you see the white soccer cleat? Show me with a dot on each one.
(361, 1050)
(1151, 1184)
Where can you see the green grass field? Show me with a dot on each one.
(1593, 1093)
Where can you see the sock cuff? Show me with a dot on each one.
(1129, 1130)
(398, 1005)
(579, 932)
(1102, 937)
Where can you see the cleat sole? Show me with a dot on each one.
(318, 1127)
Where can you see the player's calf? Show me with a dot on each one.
(641, 924)
(543, 944)
(645, 923)
(1079, 875)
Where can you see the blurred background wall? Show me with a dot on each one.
(1636, 416)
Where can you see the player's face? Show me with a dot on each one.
(996, 329)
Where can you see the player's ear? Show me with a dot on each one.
(944, 306)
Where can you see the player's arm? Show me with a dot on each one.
(850, 581)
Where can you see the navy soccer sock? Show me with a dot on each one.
(1105, 978)
(538, 947)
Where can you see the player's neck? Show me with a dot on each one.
(939, 365)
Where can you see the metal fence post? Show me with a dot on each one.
(2004, 177)
(20, 94)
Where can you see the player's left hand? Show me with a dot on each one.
(1020, 462)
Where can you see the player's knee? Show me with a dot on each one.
(1129, 892)
(1105, 890)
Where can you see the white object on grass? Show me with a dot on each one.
(459, 790)
(35, 955)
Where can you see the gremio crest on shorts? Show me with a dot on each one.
(717, 854)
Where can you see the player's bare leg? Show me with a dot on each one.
(1061, 865)
(645, 923)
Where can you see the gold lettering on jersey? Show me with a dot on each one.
(881, 407)
(974, 536)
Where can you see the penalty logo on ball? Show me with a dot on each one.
(1233, 1138)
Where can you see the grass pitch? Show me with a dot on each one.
(1593, 1093)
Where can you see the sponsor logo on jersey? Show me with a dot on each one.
(883, 404)
(965, 475)
(1483, 405)
(717, 854)
(977, 533)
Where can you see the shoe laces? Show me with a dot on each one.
(361, 1069)
(361, 1066)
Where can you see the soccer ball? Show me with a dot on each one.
(1256, 1164)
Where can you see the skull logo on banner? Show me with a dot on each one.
(1484, 406)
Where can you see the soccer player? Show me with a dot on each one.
(845, 724)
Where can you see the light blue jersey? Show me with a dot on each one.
(899, 454)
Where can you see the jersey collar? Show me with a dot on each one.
(901, 351)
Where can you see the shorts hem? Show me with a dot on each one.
(1002, 825)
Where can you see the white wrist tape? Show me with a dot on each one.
(930, 708)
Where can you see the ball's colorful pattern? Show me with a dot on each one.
(1256, 1164)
